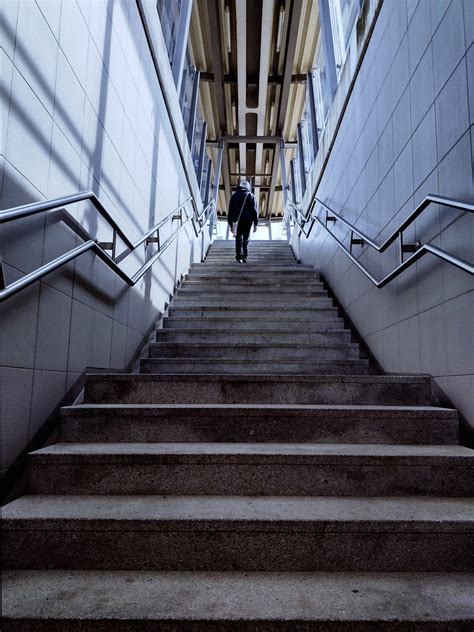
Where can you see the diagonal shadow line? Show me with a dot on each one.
(66, 118)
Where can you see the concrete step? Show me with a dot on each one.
(237, 283)
(306, 315)
(229, 337)
(252, 258)
(134, 601)
(246, 300)
(243, 533)
(251, 351)
(321, 324)
(389, 390)
(251, 469)
(224, 366)
(243, 290)
(250, 268)
(242, 274)
(250, 423)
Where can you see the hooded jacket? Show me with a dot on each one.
(249, 211)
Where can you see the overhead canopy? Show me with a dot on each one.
(254, 58)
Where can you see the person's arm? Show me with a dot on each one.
(230, 214)
(255, 213)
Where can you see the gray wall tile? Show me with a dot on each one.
(16, 388)
(448, 44)
(452, 113)
(49, 387)
(54, 322)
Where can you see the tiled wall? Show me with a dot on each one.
(408, 132)
(81, 109)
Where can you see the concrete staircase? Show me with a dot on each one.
(256, 475)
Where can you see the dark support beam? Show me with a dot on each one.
(278, 187)
(208, 184)
(208, 77)
(290, 51)
(214, 26)
(267, 140)
(301, 157)
(312, 115)
(193, 111)
(293, 181)
(202, 153)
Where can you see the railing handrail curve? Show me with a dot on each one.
(27, 210)
(418, 250)
(429, 199)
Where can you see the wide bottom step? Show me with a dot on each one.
(58, 601)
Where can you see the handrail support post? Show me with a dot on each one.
(3, 283)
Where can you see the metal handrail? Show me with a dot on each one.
(99, 248)
(418, 249)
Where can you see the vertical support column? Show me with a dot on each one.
(293, 181)
(328, 43)
(301, 158)
(179, 56)
(284, 187)
(202, 153)
(312, 114)
(284, 184)
(208, 184)
(270, 229)
(217, 174)
(193, 110)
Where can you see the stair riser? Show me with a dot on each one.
(209, 276)
(210, 367)
(257, 426)
(251, 268)
(218, 285)
(260, 314)
(249, 301)
(273, 547)
(234, 337)
(237, 391)
(244, 290)
(226, 477)
(260, 353)
(322, 322)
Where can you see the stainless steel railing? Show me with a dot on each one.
(306, 222)
(152, 235)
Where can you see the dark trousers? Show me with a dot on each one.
(242, 238)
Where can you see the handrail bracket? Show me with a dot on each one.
(406, 248)
(355, 241)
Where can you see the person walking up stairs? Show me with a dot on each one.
(258, 474)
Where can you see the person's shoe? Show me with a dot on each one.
(238, 259)
(244, 260)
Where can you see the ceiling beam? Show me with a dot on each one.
(290, 52)
(208, 77)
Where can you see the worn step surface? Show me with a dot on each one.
(285, 533)
(389, 390)
(273, 469)
(229, 336)
(237, 602)
(251, 351)
(412, 425)
(231, 366)
(322, 322)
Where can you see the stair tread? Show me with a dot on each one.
(343, 409)
(261, 452)
(237, 597)
(237, 513)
